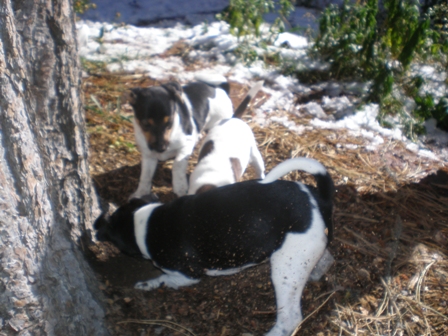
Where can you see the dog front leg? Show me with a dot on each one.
(180, 182)
(149, 165)
(170, 279)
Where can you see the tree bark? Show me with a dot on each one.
(47, 202)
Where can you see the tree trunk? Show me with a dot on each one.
(47, 202)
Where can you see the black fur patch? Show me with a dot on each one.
(226, 227)
(175, 91)
(204, 188)
(226, 87)
(198, 94)
(206, 149)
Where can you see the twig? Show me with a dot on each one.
(164, 323)
(393, 300)
(312, 313)
(365, 219)
(341, 328)
(358, 236)
(420, 280)
(259, 312)
(398, 228)
(424, 306)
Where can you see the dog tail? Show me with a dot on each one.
(252, 93)
(325, 185)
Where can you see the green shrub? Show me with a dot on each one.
(246, 16)
(361, 42)
(439, 21)
(81, 6)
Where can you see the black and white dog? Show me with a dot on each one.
(226, 151)
(227, 229)
(168, 120)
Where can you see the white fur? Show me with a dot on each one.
(310, 166)
(171, 279)
(141, 227)
(180, 148)
(232, 138)
(291, 266)
(220, 108)
(228, 271)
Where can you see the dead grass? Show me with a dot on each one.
(391, 238)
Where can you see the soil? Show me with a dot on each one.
(381, 219)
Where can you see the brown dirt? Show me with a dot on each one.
(391, 237)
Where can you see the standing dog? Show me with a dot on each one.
(228, 229)
(226, 151)
(168, 120)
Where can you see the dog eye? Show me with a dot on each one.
(167, 122)
(147, 123)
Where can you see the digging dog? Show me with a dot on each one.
(168, 120)
(226, 151)
(227, 229)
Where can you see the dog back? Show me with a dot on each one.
(229, 226)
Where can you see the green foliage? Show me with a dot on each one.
(360, 42)
(347, 38)
(92, 67)
(81, 6)
(245, 53)
(246, 16)
(439, 20)
(427, 108)
(440, 113)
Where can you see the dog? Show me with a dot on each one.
(227, 229)
(226, 151)
(168, 120)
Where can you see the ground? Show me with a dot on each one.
(391, 236)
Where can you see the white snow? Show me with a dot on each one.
(128, 48)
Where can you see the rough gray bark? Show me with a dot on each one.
(46, 198)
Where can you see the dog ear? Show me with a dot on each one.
(175, 90)
(130, 96)
(100, 225)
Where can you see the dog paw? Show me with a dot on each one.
(147, 285)
(138, 194)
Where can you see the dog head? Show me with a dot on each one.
(119, 227)
(154, 110)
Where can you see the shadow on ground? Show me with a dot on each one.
(378, 236)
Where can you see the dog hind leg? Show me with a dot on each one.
(256, 161)
(291, 266)
(170, 279)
